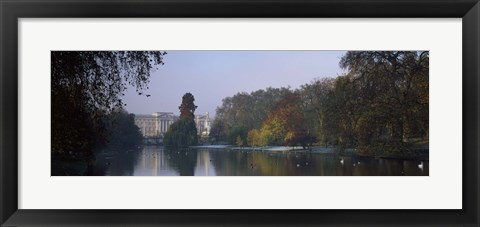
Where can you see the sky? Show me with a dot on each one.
(214, 75)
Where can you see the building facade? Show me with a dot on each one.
(203, 124)
(156, 124)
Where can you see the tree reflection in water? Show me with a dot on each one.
(182, 160)
(157, 161)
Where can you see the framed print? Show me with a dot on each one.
(114, 113)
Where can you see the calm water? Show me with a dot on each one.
(157, 161)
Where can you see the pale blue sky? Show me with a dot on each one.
(213, 75)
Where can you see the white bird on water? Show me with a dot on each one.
(341, 161)
(421, 165)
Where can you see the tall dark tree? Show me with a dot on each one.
(187, 108)
(183, 133)
(85, 87)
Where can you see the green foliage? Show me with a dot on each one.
(248, 110)
(121, 137)
(282, 116)
(218, 131)
(85, 87)
(378, 107)
(75, 132)
(314, 98)
(385, 101)
(284, 124)
(182, 133)
(237, 131)
(122, 131)
(284, 119)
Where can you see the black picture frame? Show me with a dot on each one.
(12, 10)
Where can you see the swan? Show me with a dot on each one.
(421, 165)
(341, 161)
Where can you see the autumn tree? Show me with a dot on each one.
(378, 106)
(253, 138)
(247, 110)
(285, 122)
(239, 141)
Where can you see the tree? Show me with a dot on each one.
(285, 119)
(248, 110)
(183, 133)
(85, 87)
(218, 132)
(122, 131)
(239, 141)
(340, 112)
(237, 131)
(253, 138)
(313, 105)
(187, 108)
(266, 137)
(392, 96)
(302, 138)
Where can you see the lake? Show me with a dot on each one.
(158, 161)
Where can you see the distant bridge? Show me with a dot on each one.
(151, 140)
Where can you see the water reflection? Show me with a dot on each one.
(114, 162)
(205, 164)
(157, 161)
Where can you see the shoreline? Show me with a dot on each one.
(421, 154)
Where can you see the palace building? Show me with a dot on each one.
(156, 124)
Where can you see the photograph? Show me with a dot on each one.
(240, 113)
(208, 113)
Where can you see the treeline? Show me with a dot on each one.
(121, 131)
(87, 107)
(379, 107)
